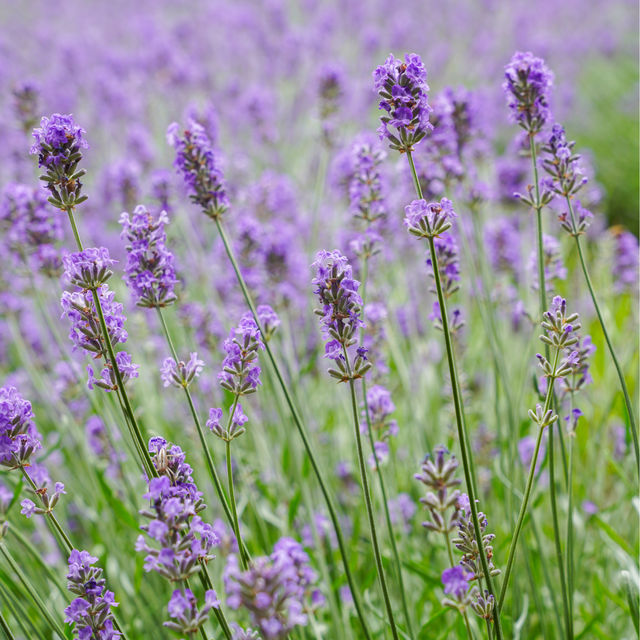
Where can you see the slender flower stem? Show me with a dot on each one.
(383, 490)
(542, 288)
(232, 496)
(301, 430)
(570, 565)
(138, 436)
(15, 567)
(5, 628)
(244, 554)
(556, 537)
(623, 384)
(464, 612)
(367, 498)
(207, 583)
(527, 491)
(465, 451)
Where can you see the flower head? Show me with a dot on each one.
(198, 164)
(527, 85)
(403, 90)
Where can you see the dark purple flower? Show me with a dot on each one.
(19, 438)
(198, 164)
(403, 90)
(90, 612)
(58, 144)
(150, 271)
(527, 85)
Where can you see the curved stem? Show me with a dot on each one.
(616, 363)
(527, 491)
(232, 496)
(556, 537)
(367, 498)
(465, 451)
(301, 431)
(244, 554)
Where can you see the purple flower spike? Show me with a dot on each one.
(403, 90)
(198, 164)
(527, 85)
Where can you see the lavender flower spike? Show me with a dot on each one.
(198, 164)
(527, 85)
(150, 271)
(91, 611)
(180, 374)
(403, 90)
(58, 144)
(19, 438)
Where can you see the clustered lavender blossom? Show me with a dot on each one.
(277, 590)
(366, 187)
(340, 314)
(91, 611)
(19, 438)
(527, 85)
(150, 271)
(58, 144)
(184, 540)
(198, 164)
(403, 90)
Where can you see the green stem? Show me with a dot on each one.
(205, 578)
(232, 495)
(623, 384)
(527, 492)
(244, 555)
(542, 288)
(570, 565)
(383, 490)
(367, 498)
(301, 430)
(5, 628)
(465, 451)
(31, 591)
(557, 535)
(142, 448)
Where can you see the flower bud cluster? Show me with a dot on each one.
(58, 144)
(19, 438)
(560, 334)
(439, 475)
(91, 611)
(562, 164)
(150, 272)
(403, 90)
(466, 541)
(277, 590)
(183, 609)
(198, 164)
(183, 539)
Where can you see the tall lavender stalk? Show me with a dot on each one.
(403, 91)
(562, 164)
(340, 313)
(367, 202)
(560, 334)
(197, 163)
(150, 275)
(58, 144)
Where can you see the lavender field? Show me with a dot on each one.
(319, 320)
